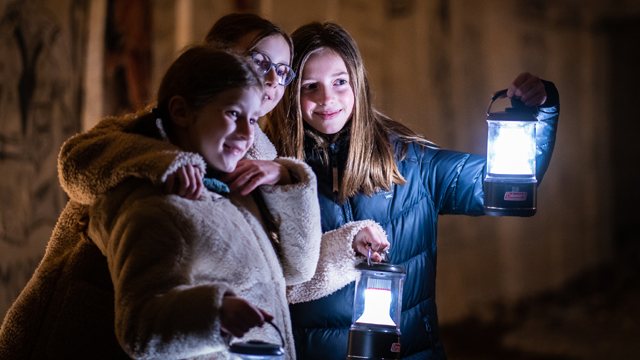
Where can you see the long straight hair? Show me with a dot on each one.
(371, 162)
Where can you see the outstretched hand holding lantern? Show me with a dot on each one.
(510, 187)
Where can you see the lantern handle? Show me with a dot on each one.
(278, 330)
(516, 103)
(494, 98)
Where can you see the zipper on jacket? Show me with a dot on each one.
(348, 213)
(346, 208)
(428, 328)
(334, 169)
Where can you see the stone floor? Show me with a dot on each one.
(595, 316)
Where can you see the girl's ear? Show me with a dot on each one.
(179, 111)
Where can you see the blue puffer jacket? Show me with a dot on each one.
(438, 182)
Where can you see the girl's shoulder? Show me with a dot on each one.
(412, 151)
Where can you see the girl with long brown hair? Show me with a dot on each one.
(370, 167)
(131, 271)
(271, 50)
(281, 211)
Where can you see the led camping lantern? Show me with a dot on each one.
(510, 185)
(377, 308)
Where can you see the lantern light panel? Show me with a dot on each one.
(510, 185)
(377, 303)
(511, 151)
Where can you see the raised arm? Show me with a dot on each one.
(93, 162)
(336, 266)
(546, 129)
(296, 208)
(456, 179)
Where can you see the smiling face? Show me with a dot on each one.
(223, 130)
(276, 48)
(326, 96)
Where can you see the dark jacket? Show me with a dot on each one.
(438, 182)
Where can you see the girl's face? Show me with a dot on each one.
(223, 130)
(276, 48)
(326, 96)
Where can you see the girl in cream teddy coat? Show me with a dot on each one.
(67, 309)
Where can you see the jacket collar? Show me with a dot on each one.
(324, 151)
(325, 140)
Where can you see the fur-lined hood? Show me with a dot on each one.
(145, 157)
(48, 319)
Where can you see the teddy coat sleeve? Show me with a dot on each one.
(22, 324)
(336, 266)
(297, 211)
(161, 309)
(93, 162)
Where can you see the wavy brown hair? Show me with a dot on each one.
(371, 162)
(229, 29)
(200, 74)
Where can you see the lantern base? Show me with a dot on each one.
(508, 198)
(373, 342)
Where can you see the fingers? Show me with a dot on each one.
(185, 182)
(528, 88)
(247, 178)
(199, 184)
(237, 316)
(266, 315)
(535, 95)
(379, 242)
(513, 89)
(382, 244)
(249, 174)
(251, 185)
(253, 315)
(191, 186)
(371, 238)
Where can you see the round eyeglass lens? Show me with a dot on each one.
(262, 62)
(285, 74)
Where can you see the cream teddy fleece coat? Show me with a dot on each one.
(67, 309)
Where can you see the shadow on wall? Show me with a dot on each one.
(40, 71)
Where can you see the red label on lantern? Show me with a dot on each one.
(395, 347)
(515, 196)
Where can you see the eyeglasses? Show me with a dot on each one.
(263, 64)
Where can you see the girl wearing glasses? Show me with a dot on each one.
(284, 210)
(159, 276)
(265, 43)
(370, 167)
(271, 51)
